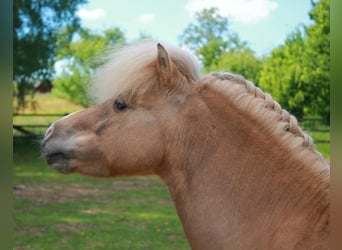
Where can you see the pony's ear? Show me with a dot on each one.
(164, 66)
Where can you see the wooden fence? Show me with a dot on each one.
(35, 125)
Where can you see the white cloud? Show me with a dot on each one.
(243, 11)
(147, 18)
(91, 14)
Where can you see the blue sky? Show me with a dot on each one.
(264, 24)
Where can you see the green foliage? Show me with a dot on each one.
(209, 37)
(240, 61)
(35, 28)
(317, 56)
(297, 73)
(78, 63)
(218, 48)
(282, 74)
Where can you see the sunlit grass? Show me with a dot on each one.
(322, 147)
(48, 104)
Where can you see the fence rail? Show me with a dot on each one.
(35, 114)
(32, 130)
(313, 125)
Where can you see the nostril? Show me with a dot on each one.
(49, 132)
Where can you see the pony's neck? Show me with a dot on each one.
(228, 179)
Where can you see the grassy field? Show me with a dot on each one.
(323, 148)
(48, 104)
(53, 211)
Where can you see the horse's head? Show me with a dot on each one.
(123, 135)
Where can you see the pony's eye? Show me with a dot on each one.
(120, 105)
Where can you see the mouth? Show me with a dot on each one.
(59, 161)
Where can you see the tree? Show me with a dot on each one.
(317, 56)
(209, 37)
(78, 62)
(297, 73)
(282, 74)
(242, 61)
(35, 28)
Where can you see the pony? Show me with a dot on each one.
(240, 170)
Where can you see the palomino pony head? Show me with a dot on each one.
(138, 88)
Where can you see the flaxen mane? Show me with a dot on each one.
(128, 68)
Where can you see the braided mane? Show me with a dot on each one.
(249, 98)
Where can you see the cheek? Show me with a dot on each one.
(138, 147)
(88, 147)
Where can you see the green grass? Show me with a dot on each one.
(56, 211)
(323, 148)
(311, 126)
(48, 104)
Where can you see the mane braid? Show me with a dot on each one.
(288, 123)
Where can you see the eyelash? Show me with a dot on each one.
(120, 105)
